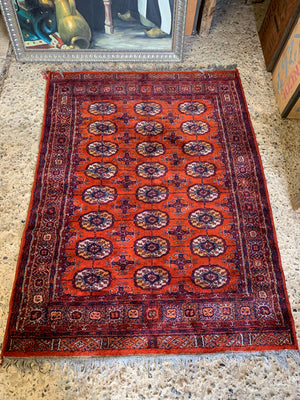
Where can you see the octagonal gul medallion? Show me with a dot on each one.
(151, 219)
(104, 128)
(151, 247)
(195, 127)
(203, 218)
(152, 278)
(104, 148)
(210, 276)
(148, 108)
(94, 248)
(103, 170)
(203, 192)
(100, 194)
(96, 221)
(149, 128)
(92, 279)
(208, 246)
(191, 108)
(150, 149)
(197, 147)
(152, 193)
(151, 170)
(102, 108)
(202, 169)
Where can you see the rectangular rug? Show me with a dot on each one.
(149, 229)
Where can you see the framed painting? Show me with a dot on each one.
(96, 30)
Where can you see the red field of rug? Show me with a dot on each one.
(149, 229)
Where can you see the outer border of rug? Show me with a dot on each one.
(245, 352)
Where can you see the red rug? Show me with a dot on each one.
(150, 229)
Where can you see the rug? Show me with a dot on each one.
(150, 229)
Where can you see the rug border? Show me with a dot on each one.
(154, 352)
(270, 211)
(13, 291)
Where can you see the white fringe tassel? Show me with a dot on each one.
(80, 366)
(140, 68)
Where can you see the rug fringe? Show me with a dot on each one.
(80, 366)
(139, 68)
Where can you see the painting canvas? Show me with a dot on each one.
(96, 30)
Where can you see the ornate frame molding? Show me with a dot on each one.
(93, 55)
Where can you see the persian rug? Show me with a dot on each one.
(149, 229)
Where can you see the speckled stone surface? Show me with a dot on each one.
(233, 41)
